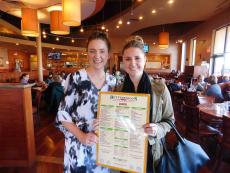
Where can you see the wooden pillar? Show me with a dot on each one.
(39, 54)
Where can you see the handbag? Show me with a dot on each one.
(184, 157)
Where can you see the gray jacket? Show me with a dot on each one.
(162, 109)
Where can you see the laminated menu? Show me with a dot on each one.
(122, 143)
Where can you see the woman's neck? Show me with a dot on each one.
(136, 79)
(95, 72)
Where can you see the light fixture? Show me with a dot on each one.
(117, 26)
(43, 32)
(140, 17)
(57, 39)
(56, 23)
(44, 36)
(163, 40)
(170, 1)
(107, 30)
(128, 22)
(120, 22)
(71, 12)
(81, 30)
(154, 11)
(72, 41)
(103, 27)
(29, 22)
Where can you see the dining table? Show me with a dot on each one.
(215, 109)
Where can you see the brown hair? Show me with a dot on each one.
(134, 41)
(98, 35)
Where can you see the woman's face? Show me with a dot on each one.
(27, 77)
(98, 54)
(134, 61)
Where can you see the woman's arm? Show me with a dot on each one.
(85, 138)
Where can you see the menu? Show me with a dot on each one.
(122, 143)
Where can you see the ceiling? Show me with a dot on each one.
(177, 18)
(179, 11)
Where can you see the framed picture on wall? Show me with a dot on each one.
(1, 62)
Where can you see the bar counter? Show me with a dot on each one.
(17, 146)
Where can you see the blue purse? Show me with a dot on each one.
(185, 157)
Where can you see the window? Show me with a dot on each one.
(193, 52)
(183, 57)
(220, 61)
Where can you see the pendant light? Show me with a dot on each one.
(29, 22)
(71, 12)
(163, 40)
(56, 23)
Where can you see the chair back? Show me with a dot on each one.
(213, 121)
(226, 131)
(191, 98)
(191, 114)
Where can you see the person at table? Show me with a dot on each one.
(214, 89)
(77, 112)
(54, 93)
(138, 81)
(24, 78)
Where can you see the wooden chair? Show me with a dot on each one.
(213, 121)
(195, 128)
(36, 107)
(191, 98)
(224, 140)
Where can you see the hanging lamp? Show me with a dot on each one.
(29, 22)
(71, 12)
(56, 23)
(164, 40)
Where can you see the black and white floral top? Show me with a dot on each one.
(80, 107)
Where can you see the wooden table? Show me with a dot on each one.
(213, 109)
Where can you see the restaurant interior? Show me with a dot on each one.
(187, 45)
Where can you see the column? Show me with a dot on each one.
(39, 55)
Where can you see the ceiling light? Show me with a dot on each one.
(7, 62)
(128, 22)
(17, 44)
(71, 12)
(43, 32)
(180, 41)
(54, 8)
(107, 30)
(170, 1)
(81, 30)
(140, 17)
(72, 41)
(139, 0)
(57, 39)
(120, 22)
(44, 36)
(154, 11)
(163, 40)
(56, 23)
(29, 22)
(117, 26)
(154, 43)
(103, 27)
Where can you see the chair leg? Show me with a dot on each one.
(218, 159)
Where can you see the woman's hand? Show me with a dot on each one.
(88, 138)
(150, 129)
(95, 125)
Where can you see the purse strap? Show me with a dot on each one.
(179, 137)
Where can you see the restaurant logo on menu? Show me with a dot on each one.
(123, 98)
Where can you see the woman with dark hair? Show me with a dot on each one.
(77, 112)
(138, 81)
(24, 78)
